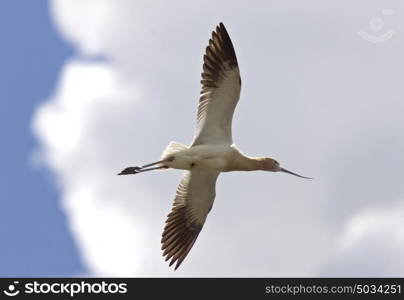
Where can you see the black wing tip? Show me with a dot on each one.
(219, 55)
(178, 258)
(180, 251)
(225, 42)
(222, 28)
(178, 238)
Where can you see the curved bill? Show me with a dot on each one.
(289, 172)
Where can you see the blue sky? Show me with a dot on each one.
(35, 237)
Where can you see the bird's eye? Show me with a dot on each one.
(276, 162)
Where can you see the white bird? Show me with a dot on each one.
(211, 152)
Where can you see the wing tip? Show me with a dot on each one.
(221, 25)
(178, 238)
(219, 56)
(225, 41)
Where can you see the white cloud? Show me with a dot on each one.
(371, 245)
(78, 153)
(318, 98)
(90, 17)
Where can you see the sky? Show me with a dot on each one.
(33, 226)
(92, 87)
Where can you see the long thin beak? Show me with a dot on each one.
(289, 172)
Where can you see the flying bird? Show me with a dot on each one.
(211, 152)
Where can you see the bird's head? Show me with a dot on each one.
(270, 164)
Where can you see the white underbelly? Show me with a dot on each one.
(197, 163)
(201, 158)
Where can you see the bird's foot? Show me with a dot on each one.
(130, 170)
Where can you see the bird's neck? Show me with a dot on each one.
(245, 163)
(257, 163)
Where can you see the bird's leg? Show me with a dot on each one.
(151, 169)
(152, 164)
(135, 170)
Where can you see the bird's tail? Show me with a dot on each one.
(172, 148)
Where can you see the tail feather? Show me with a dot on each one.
(172, 148)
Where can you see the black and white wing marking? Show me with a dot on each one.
(220, 92)
(193, 201)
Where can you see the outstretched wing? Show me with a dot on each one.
(193, 201)
(220, 92)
